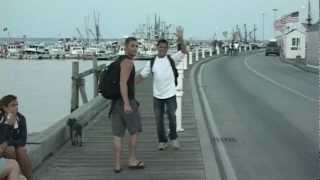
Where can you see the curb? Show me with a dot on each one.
(300, 66)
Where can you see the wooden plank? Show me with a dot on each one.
(89, 72)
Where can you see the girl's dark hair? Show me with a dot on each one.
(6, 100)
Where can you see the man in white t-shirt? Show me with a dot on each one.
(165, 74)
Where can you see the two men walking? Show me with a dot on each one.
(125, 112)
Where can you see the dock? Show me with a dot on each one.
(94, 159)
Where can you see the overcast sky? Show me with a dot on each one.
(200, 18)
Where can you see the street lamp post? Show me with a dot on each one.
(262, 13)
(274, 20)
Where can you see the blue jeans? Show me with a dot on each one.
(159, 107)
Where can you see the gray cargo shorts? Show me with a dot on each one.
(121, 121)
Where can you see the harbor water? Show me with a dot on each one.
(43, 88)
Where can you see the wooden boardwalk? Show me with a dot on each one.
(94, 160)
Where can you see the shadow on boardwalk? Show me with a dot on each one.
(94, 159)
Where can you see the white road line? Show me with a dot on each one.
(277, 83)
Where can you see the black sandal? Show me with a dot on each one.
(117, 170)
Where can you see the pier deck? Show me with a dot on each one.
(94, 159)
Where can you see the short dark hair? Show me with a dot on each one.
(6, 100)
(129, 39)
(162, 41)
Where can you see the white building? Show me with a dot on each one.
(294, 44)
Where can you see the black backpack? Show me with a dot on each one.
(173, 66)
(109, 80)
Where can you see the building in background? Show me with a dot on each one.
(294, 45)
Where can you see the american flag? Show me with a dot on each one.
(291, 18)
(280, 24)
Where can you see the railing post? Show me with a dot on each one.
(95, 77)
(210, 51)
(218, 50)
(197, 54)
(190, 57)
(179, 98)
(75, 87)
(203, 55)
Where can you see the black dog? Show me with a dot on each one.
(75, 131)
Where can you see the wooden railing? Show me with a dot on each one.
(78, 82)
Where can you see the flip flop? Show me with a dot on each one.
(139, 165)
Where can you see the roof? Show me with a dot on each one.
(293, 30)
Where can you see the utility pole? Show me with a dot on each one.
(238, 32)
(274, 20)
(254, 33)
(155, 26)
(263, 26)
(309, 19)
(97, 26)
(233, 38)
(86, 28)
(245, 33)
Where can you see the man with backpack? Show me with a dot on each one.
(118, 84)
(164, 72)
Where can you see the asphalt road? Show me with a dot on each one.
(270, 109)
